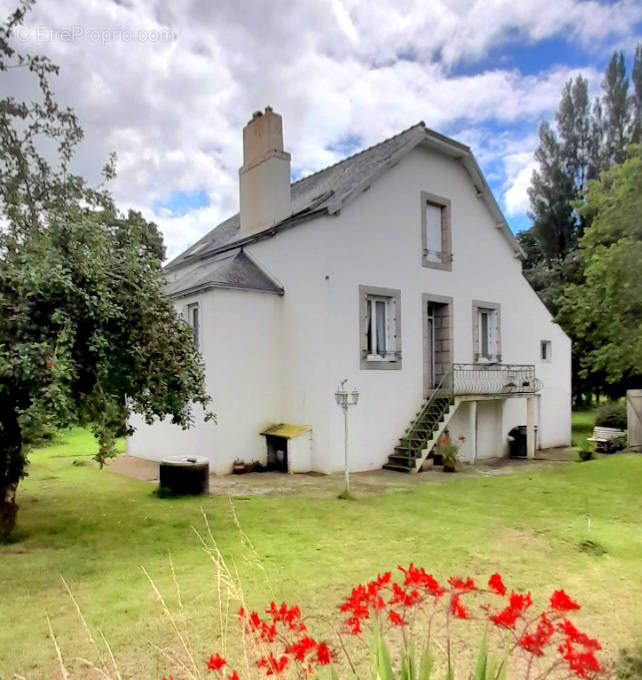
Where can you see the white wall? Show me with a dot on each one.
(242, 346)
(280, 359)
(376, 241)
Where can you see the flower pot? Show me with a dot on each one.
(450, 467)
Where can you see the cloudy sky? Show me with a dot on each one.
(168, 85)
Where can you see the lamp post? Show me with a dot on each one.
(345, 399)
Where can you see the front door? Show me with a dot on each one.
(430, 345)
(438, 342)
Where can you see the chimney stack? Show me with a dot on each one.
(265, 175)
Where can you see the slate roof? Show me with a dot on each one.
(327, 191)
(233, 269)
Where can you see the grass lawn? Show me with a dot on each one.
(97, 529)
(583, 424)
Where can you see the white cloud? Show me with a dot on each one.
(173, 110)
(519, 170)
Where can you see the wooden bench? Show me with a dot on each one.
(608, 439)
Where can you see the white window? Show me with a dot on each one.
(486, 332)
(194, 322)
(545, 351)
(434, 221)
(380, 342)
(380, 327)
(436, 232)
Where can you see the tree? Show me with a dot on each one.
(551, 194)
(574, 126)
(636, 96)
(604, 311)
(86, 333)
(616, 105)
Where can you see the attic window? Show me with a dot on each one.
(435, 232)
(545, 350)
(197, 249)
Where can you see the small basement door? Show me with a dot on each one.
(289, 447)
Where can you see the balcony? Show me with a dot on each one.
(503, 380)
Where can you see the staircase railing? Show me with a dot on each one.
(445, 391)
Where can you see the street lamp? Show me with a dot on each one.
(345, 399)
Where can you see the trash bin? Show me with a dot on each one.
(517, 441)
(185, 475)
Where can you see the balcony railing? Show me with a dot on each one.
(489, 379)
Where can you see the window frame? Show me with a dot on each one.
(446, 231)
(392, 357)
(492, 310)
(196, 328)
(545, 351)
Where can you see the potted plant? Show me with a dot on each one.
(449, 450)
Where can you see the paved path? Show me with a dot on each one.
(326, 486)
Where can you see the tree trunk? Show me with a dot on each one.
(12, 469)
(8, 510)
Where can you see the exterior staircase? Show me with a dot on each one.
(424, 432)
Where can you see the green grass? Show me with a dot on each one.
(98, 529)
(583, 423)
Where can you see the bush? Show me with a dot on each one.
(611, 414)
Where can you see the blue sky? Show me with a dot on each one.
(168, 86)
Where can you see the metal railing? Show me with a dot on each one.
(430, 414)
(495, 379)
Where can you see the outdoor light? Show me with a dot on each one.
(345, 399)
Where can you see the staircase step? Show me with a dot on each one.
(398, 459)
(398, 468)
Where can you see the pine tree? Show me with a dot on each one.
(616, 105)
(636, 96)
(551, 194)
(574, 127)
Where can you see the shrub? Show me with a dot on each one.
(611, 414)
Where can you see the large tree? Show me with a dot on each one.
(616, 105)
(604, 311)
(86, 333)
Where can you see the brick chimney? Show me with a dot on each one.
(265, 175)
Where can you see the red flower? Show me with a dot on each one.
(234, 676)
(419, 578)
(462, 586)
(536, 641)
(517, 605)
(561, 602)
(583, 664)
(170, 678)
(457, 608)
(496, 584)
(461, 438)
(273, 665)
(395, 619)
(216, 663)
(323, 654)
(575, 635)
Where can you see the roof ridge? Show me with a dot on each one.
(358, 153)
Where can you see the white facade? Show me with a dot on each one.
(278, 358)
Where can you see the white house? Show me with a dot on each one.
(394, 268)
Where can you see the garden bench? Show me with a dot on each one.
(608, 438)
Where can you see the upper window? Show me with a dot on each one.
(380, 327)
(436, 232)
(486, 332)
(194, 323)
(545, 348)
